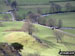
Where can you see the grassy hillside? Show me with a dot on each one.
(23, 38)
(50, 47)
(8, 26)
(45, 34)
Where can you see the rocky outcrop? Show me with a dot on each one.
(8, 50)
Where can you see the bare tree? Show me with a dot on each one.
(28, 27)
(51, 22)
(59, 35)
(33, 17)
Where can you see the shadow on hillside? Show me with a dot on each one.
(45, 42)
(50, 44)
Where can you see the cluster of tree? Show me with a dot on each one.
(32, 16)
(50, 22)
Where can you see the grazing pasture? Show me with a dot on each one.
(68, 19)
(49, 48)
(45, 42)
(72, 31)
(24, 9)
(26, 2)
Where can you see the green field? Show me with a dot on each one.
(24, 9)
(50, 47)
(45, 34)
(5, 17)
(68, 19)
(8, 26)
(37, 1)
(4, 7)
(44, 8)
(72, 31)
